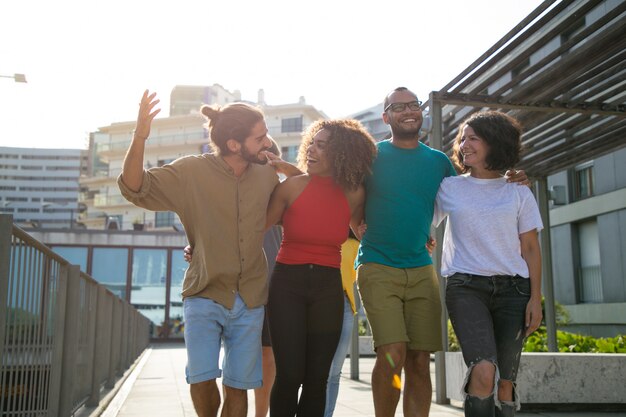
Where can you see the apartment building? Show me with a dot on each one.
(171, 138)
(40, 187)
(371, 118)
(588, 229)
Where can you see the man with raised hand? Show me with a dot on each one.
(221, 199)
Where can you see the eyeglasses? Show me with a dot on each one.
(398, 107)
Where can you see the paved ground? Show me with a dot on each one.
(157, 388)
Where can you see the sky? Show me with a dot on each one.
(88, 62)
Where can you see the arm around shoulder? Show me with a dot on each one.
(278, 203)
(356, 201)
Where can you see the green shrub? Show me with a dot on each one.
(566, 342)
(572, 342)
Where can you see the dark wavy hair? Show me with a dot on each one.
(233, 121)
(501, 132)
(350, 150)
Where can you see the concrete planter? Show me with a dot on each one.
(546, 380)
(366, 346)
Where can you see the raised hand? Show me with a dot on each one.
(146, 114)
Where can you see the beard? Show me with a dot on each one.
(401, 132)
(251, 157)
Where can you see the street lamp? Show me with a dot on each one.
(19, 78)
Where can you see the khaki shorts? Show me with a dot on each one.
(402, 305)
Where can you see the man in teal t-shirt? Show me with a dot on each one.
(396, 278)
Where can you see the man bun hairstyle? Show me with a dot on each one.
(232, 121)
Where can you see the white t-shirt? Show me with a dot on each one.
(485, 219)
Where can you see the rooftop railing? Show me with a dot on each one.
(63, 336)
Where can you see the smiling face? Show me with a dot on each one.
(404, 124)
(317, 161)
(474, 149)
(254, 146)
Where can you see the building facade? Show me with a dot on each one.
(40, 187)
(588, 231)
(185, 99)
(371, 118)
(144, 268)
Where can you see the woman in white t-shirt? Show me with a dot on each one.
(492, 260)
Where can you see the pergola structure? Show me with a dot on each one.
(562, 73)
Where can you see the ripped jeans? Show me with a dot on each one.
(488, 314)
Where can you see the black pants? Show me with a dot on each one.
(306, 314)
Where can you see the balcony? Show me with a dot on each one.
(114, 148)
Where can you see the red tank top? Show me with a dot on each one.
(315, 225)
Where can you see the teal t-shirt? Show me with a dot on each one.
(400, 201)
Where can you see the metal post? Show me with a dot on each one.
(354, 346)
(6, 232)
(70, 341)
(56, 373)
(115, 341)
(436, 141)
(546, 263)
(92, 344)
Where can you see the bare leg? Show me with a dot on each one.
(235, 402)
(505, 390)
(482, 379)
(389, 362)
(206, 398)
(262, 394)
(418, 388)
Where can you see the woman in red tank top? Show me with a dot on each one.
(305, 303)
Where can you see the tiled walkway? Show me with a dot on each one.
(157, 388)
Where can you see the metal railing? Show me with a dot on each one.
(63, 336)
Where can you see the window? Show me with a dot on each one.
(110, 269)
(293, 124)
(164, 219)
(75, 255)
(178, 268)
(149, 277)
(589, 272)
(290, 153)
(583, 180)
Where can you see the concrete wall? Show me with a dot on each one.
(557, 378)
(109, 238)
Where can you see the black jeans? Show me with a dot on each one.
(305, 309)
(487, 314)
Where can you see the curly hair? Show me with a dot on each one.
(350, 150)
(233, 121)
(501, 132)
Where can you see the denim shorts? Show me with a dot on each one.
(488, 314)
(207, 324)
